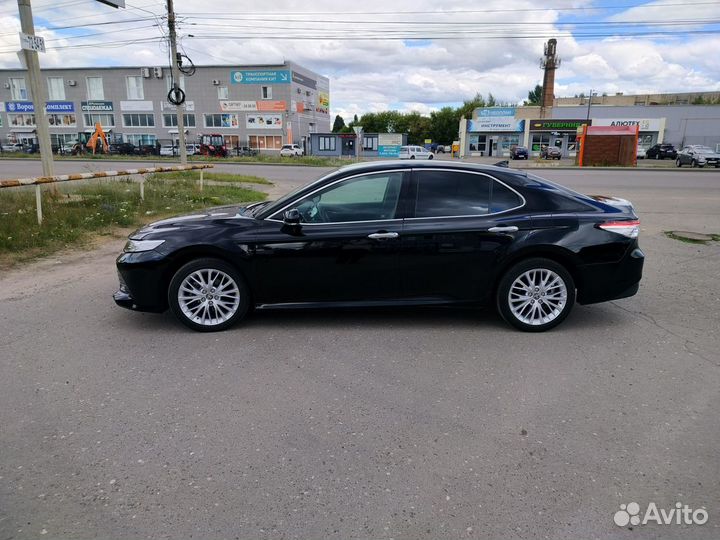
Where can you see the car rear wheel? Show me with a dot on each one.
(208, 295)
(536, 295)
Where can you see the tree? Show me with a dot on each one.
(469, 105)
(339, 124)
(535, 96)
(444, 125)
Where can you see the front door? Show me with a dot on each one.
(462, 224)
(345, 248)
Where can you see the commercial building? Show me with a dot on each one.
(680, 125)
(262, 107)
(344, 144)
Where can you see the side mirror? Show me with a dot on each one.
(291, 217)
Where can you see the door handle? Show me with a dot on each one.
(509, 228)
(383, 235)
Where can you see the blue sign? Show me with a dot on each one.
(60, 107)
(389, 150)
(260, 76)
(19, 107)
(496, 111)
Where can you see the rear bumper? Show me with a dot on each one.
(611, 281)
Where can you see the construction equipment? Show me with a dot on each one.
(99, 134)
(213, 145)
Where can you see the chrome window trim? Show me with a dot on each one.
(332, 184)
(492, 179)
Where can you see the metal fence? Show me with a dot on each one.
(39, 181)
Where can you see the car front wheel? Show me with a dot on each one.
(536, 295)
(208, 295)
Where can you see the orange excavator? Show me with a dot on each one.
(99, 134)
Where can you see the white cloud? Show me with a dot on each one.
(378, 73)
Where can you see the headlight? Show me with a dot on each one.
(135, 246)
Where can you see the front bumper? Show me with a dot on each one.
(611, 281)
(143, 281)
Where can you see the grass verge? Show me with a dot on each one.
(74, 214)
(216, 177)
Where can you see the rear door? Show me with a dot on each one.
(462, 224)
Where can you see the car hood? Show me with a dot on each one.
(196, 219)
(712, 155)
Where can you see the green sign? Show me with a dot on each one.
(557, 125)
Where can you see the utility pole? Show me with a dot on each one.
(587, 119)
(37, 89)
(175, 90)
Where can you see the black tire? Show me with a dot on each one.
(657, 156)
(412, 157)
(431, 156)
(503, 292)
(208, 264)
(678, 163)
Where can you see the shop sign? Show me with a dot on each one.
(263, 121)
(136, 105)
(645, 124)
(96, 106)
(389, 144)
(19, 107)
(305, 81)
(496, 123)
(490, 112)
(557, 125)
(167, 106)
(260, 76)
(56, 107)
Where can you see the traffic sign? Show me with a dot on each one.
(32, 43)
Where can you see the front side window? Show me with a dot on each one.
(370, 197)
(95, 89)
(135, 88)
(18, 90)
(451, 193)
(56, 89)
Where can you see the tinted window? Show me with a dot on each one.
(364, 198)
(451, 193)
(503, 198)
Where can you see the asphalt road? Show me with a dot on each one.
(410, 424)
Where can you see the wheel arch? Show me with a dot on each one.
(185, 255)
(560, 255)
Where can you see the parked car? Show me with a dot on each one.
(661, 151)
(414, 152)
(123, 148)
(391, 233)
(443, 149)
(697, 156)
(246, 151)
(169, 150)
(519, 152)
(291, 150)
(192, 149)
(13, 147)
(641, 152)
(550, 152)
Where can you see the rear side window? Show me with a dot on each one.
(451, 193)
(503, 198)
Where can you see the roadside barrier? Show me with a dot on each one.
(38, 181)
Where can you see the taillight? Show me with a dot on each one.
(631, 229)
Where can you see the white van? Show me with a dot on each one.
(414, 152)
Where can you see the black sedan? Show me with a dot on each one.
(391, 233)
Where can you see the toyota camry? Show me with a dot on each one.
(394, 233)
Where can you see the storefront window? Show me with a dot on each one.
(539, 140)
(478, 143)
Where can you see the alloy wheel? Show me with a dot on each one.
(208, 297)
(537, 297)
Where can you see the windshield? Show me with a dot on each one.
(704, 149)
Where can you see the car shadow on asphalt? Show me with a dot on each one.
(582, 318)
